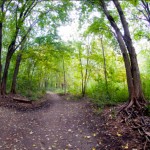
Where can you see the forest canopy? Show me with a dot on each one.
(104, 55)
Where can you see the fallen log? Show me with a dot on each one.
(22, 100)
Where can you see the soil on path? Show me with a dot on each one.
(59, 126)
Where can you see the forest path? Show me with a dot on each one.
(61, 126)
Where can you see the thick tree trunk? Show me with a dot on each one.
(5, 74)
(127, 64)
(132, 54)
(129, 55)
(11, 50)
(16, 70)
(122, 48)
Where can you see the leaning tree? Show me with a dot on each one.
(136, 97)
(123, 36)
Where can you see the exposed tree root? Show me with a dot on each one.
(133, 115)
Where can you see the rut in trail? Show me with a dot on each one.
(60, 126)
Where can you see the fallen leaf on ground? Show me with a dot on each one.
(118, 134)
(125, 147)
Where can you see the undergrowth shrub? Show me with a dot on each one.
(116, 94)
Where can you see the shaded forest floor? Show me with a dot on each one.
(56, 123)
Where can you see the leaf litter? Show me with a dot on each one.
(58, 124)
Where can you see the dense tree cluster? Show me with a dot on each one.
(102, 64)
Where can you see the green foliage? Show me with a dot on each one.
(134, 2)
(98, 27)
(48, 63)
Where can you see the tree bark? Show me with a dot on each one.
(7, 63)
(64, 73)
(1, 38)
(129, 56)
(104, 65)
(132, 54)
(0, 52)
(122, 47)
(15, 74)
(23, 14)
(82, 76)
(86, 72)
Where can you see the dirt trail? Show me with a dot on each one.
(60, 126)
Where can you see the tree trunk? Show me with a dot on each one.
(11, 50)
(5, 73)
(132, 54)
(104, 66)
(16, 70)
(86, 72)
(82, 76)
(0, 52)
(122, 48)
(64, 72)
(129, 56)
(1, 37)
(46, 84)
